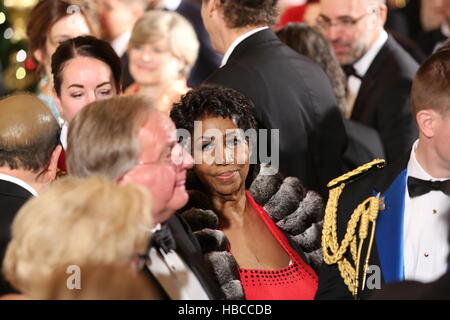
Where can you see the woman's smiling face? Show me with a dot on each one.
(221, 156)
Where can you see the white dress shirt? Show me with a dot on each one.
(174, 275)
(236, 42)
(120, 44)
(63, 135)
(171, 5)
(363, 64)
(19, 182)
(425, 229)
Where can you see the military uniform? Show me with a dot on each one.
(382, 188)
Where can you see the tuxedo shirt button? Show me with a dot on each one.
(434, 211)
(426, 254)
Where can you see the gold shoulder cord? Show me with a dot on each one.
(364, 214)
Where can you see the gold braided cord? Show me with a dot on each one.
(365, 214)
(357, 171)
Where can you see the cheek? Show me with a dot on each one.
(202, 172)
(71, 107)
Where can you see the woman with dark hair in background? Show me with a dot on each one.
(270, 241)
(52, 22)
(84, 69)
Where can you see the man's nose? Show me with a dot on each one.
(333, 32)
(181, 157)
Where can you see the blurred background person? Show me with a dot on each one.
(433, 39)
(117, 18)
(364, 143)
(208, 60)
(379, 71)
(163, 48)
(84, 69)
(75, 222)
(50, 23)
(128, 140)
(297, 11)
(29, 151)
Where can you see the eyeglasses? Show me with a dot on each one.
(176, 157)
(325, 23)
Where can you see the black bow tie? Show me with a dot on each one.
(163, 239)
(418, 187)
(350, 71)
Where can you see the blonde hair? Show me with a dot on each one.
(77, 221)
(100, 282)
(180, 35)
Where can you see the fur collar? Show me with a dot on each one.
(296, 211)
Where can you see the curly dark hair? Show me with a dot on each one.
(214, 101)
(242, 13)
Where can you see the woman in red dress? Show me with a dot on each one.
(267, 265)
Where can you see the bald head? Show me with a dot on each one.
(28, 132)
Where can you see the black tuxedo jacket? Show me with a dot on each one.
(12, 198)
(292, 94)
(331, 285)
(208, 60)
(383, 100)
(429, 40)
(127, 78)
(189, 249)
(413, 290)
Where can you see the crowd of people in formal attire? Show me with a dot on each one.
(229, 149)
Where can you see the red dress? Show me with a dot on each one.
(297, 281)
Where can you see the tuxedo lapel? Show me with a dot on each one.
(369, 81)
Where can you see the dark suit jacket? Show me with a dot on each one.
(331, 285)
(208, 60)
(364, 145)
(429, 40)
(12, 198)
(127, 78)
(292, 94)
(383, 101)
(189, 249)
(412, 290)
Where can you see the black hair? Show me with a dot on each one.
(214, 101)
(85, 46)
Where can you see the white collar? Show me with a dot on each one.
(415, 169)
(363, 64)
(171, 5)
(63, 135)
(236, 42)
(19, 182)
(445, 30)
(120, 44)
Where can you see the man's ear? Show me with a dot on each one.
(426, 122)
(383, 11)
(213, 7)
(52, 168)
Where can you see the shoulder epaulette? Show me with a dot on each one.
(346, 177)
